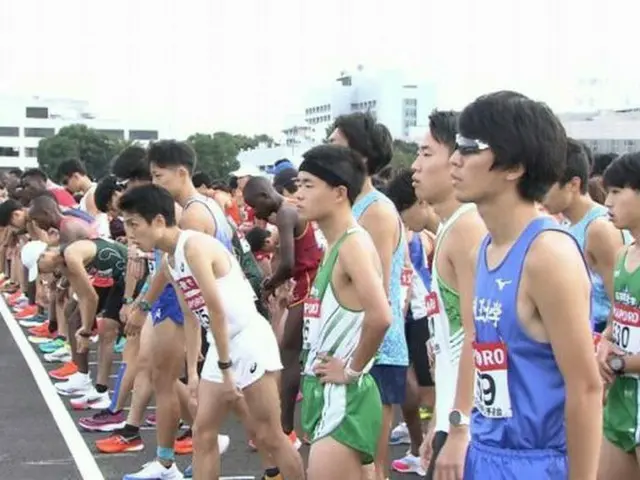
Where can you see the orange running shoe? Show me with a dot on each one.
(64, 371)
(183, 445)
(40, 330)
(119, 443)
(27, 313)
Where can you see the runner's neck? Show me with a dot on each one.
(167, 243)
(446, 208)
(187, 193)
(579, 208)
(506, 218)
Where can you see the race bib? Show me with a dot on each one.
(406, 277)
(492, 397)
(246, 248)
(625, 328)
(431, 304)
(194, 299)
(311, 319)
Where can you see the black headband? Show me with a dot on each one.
(325, 174)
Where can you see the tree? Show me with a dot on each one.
(404, 153)
(77, 141)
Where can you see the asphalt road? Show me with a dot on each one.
(33, 448)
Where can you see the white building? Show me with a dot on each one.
(24, 121)
(605, 131)
(398, 103)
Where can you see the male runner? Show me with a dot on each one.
(61, 227)
(619, 350)
(538, 396)
(95, 269)
(36, 182)
(216, 293)
(299, 257)
(346, 317)
(450, 306)
(74, 176)
(377, 215)
(598, 239)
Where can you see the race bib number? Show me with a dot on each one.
(492, 397)
(202, 314)
(407, 276)
(431, 304)
(311, 319)
(625, 328)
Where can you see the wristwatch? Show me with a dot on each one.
(225, 365)
(617, 364)
(85, 334)
(458, 419)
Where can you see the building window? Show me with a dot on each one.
(113, 134)
(9, 131)
(9, 152)
(31, 152)
(37, 112)
(143, 134)
(39, 132)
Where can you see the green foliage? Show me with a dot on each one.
(216, 152)
(404, 153)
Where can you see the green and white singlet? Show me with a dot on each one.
(445, 324)
(350, 414)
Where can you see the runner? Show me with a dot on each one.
(346, 318)
(299, 257)
(538, 396)
(215, 291)
(58, 227)
(35, 182)
(598, 239)
(619, 351)
(450, 312)
(377, 215)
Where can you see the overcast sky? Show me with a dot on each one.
(245, 65)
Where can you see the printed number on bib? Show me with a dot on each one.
(311, 319)
(492, 397)
(203, 317)
(431, 304)
(407, 276)
(626, 328)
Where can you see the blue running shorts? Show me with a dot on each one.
(167, 306)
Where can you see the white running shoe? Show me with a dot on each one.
(155, 471)
(223, 443)
(92, 400)
(76, 384)
(63, 354)
(400, 435)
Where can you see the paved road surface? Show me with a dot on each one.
(33, 448)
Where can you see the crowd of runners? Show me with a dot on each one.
(489, 293)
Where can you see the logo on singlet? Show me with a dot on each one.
(254, 367)
(502, 283)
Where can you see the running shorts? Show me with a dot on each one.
(301, 288)
(350, 414)
(167, 306)
(417, 334)
(621, 414)
(392, 383)
(110, 301)
(254, 351)
(484, 462)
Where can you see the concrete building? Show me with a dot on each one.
(616, 131)
(395, 101)
(24, 121)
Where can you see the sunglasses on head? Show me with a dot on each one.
(469, 146)
(122, 184)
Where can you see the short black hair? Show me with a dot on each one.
(149, 201)
(15, 171)
(400, 190)
(201, 178)
(623, 172)
(171, 153)
(220, 185)
(35, 172)
(443, 126)
(69, 167)
(233, 183)
(257, 238)
(520, 132)
(371, 139)
(6, 211)
(105, 189)
(346, 166)
(600, 163)
(286, 180)
(577, 165)
(131, 164)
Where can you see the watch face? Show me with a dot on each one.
(616, 364)
(455, 418)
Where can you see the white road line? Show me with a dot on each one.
(75, 443)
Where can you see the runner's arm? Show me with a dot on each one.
(193, 338)
(286, 220)
(559, 287)
(466, 235)
(74, 257)
(379, 222)
(604, 241)
(156, 286)
(355, 258)
(200, 260)
(74, 230)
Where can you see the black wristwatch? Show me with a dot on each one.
(617, 364)
(225, 365)
(85, 334)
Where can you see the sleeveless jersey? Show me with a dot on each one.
(109, 265)
(600, 303)
(445, 324)
(520, 391)
(307, 253)
(421, 281)
(393, 350)
(626, 309)
(101, 219)
(233, 290)
(223, 229)
(71, 215)
(328, 326)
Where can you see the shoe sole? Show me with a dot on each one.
(137, 448)
(73, 393)
(58, 360)
(103, 428)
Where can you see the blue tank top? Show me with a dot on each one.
(600, 303)
(80, 214)
(393, 350)
(224, 233)
(535, 391)
(416, 253)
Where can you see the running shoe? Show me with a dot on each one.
(118, 347)
(120, 442)
(64, 372)
(15, 298)
(183, 445)
(104, 421)
(40, 330)
(35, 321)
(92, 400)
(63, 354)
(52, 345)
(42, 338)
(76, 384)
(408, 464)
(155, 471)
(400, 435)
(150, 420)
(293, 438)
(26, 313)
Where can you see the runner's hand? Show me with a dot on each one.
(331, 370)
(426, 448)
(125, 311)
(135, 321)
(605, 350)
(230, 391)
(450, 462)
(82, 342)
